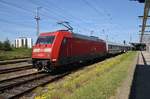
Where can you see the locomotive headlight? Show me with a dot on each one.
(47, 50)
(36, 50)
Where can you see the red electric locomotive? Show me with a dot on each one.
(55, 49)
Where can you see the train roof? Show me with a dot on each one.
(114, 43)
(93, 38)
(76, 35)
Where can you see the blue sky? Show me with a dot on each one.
(116, 18)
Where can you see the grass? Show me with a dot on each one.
(15, 54)
(98, 81)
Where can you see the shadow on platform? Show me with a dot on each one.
(140, 88)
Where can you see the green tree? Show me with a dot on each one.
(1, 45)
(7, 45)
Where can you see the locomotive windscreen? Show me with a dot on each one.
(45, 40)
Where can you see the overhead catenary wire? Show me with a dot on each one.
(92, 7)
(66, 11)
(45, 15)
(100, 13)
(53, 13)
(66, 16)
(12, 22)
(25, 10)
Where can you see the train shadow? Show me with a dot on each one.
(141, 81)
(76, 66)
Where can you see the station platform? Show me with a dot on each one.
(140, 88)
(143, 58)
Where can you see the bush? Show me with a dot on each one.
(1, 45)
(5, 46)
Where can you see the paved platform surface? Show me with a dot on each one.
(140, 88)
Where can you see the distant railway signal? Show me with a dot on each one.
(91, 33)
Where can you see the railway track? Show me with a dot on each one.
(14, 61)
(16, 87)
(8, 70)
